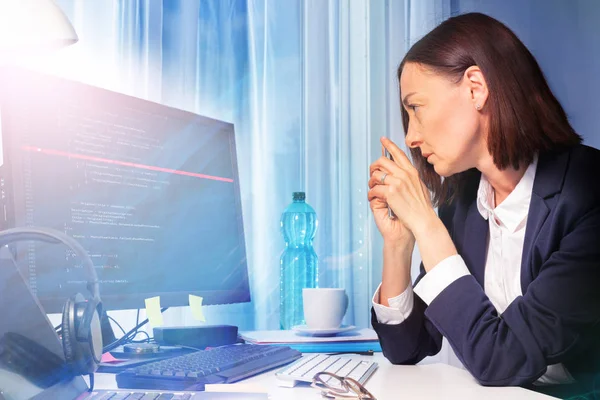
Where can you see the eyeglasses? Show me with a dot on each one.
(336, 387)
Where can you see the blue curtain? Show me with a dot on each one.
(323, 90)
(310, 86)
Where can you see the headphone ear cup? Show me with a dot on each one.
(69, 336)
(82, 340)
(90, 333)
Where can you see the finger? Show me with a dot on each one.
(378, 192)
(399, 156)
(389, 180)
(378, 178)
(376, 165)
(384, 164)
(377, 204)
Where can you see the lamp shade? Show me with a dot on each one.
(34, 24)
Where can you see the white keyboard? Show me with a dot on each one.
(303, 369)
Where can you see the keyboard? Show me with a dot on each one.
(111, 395)
(146, 395)
(192, 371)
(130, 395)
(303, 369)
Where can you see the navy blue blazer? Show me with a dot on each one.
(556, 320)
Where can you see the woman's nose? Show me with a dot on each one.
(412, 140)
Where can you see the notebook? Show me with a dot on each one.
(360, 340)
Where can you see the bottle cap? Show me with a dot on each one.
(299, 196)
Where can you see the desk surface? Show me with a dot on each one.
(424, 381)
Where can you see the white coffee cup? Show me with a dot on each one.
(324, 308)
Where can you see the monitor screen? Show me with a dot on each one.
(151, 192)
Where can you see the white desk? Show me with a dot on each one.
(427, 381)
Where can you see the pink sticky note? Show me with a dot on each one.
(107, 357)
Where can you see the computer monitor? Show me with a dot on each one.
(150, 191)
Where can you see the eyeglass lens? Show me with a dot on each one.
(331, 381)
(346, 387)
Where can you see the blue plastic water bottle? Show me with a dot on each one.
(299, 263)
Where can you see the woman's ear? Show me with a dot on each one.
(477, 86)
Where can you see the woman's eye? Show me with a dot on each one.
(414, 108)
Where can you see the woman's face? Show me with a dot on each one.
(443, 120)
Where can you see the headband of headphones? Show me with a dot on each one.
(53, 236)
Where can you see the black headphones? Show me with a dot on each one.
(81, 331)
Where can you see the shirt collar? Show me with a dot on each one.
(514, 209)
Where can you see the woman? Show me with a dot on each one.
(510, 271)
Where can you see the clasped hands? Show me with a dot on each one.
(397, 184)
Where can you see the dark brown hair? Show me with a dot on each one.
(525, 117)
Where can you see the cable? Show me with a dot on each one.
(133, 335)
(148, 339)
(140, 341)
(127, 336)
(119, 325)
(137, 322)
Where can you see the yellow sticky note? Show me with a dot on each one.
(196, 305)
(153, 311)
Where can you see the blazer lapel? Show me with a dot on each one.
(549, 178)
(538, 213)
(475, 244)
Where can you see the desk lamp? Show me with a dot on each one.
(31, 26)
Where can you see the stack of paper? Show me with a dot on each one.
(360, 340)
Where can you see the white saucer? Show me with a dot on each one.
(303, 329)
